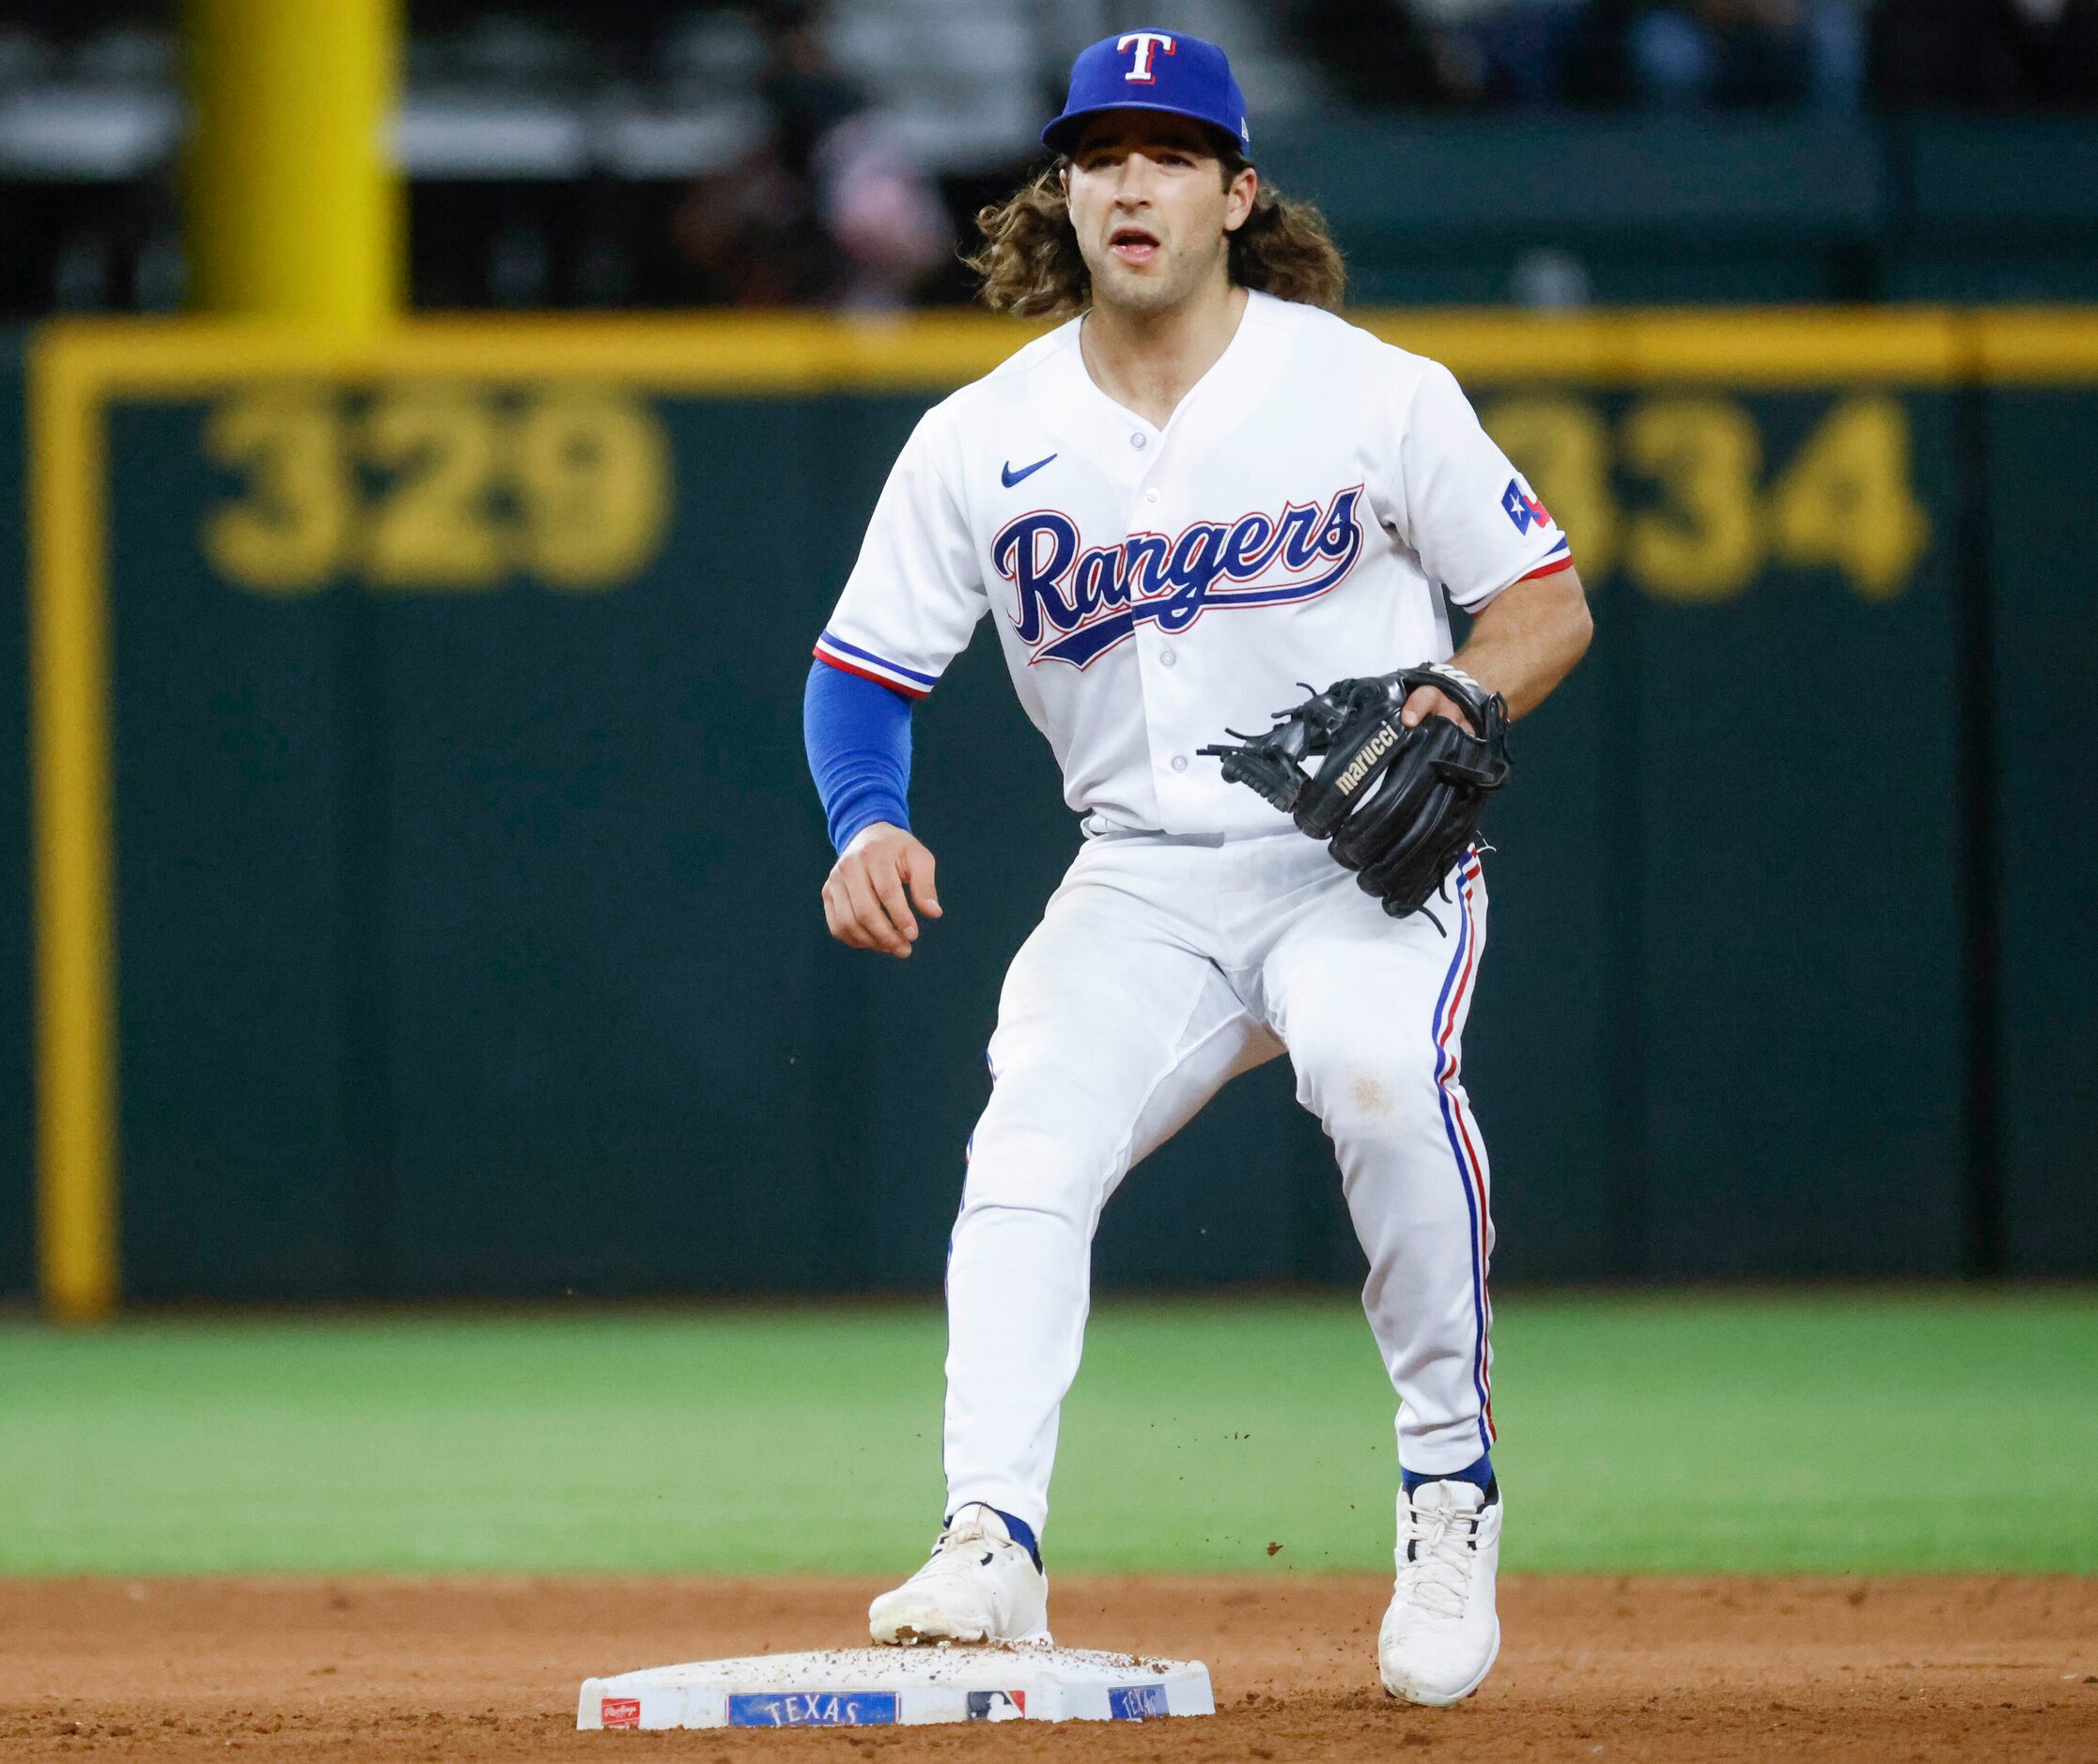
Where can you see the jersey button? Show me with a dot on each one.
(1179, 762)
(1166, 657)
(1135, 439)
(1151, 495)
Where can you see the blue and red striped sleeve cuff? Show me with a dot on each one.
(851, 658)
(1560, 557)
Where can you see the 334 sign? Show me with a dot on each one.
(1675, 493)
(436, 487)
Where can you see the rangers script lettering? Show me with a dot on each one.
(1097, 601)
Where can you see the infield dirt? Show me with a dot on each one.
(1601, 1667)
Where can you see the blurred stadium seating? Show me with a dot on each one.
(654, 153)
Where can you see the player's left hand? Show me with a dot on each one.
(1424, 702)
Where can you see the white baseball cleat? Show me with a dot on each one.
(1441, 1633)
(979, 1586)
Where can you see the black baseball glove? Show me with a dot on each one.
(1398, 806)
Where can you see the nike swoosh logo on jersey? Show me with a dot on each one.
(1013, 477)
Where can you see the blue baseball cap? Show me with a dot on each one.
(1152, 71)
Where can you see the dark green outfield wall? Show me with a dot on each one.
(1799, 974)
(2043, 839)
(470, 943)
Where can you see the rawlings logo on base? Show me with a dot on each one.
(620, 1712)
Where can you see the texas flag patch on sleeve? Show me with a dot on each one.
(1523, 509)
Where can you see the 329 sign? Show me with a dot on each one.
(436, 487)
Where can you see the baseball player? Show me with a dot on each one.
(1201, 490)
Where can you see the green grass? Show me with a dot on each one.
(1858, 1431)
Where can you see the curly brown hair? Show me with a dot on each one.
(1031, 268)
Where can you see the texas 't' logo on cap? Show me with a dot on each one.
(1144, 44)
(1184, 76)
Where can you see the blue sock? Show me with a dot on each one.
(1018, 1530)
(1479, 1473)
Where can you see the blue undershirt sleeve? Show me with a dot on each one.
(858, 735)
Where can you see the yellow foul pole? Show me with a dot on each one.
(72, 873)
(294, 207)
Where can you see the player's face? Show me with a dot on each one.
(1152, 208)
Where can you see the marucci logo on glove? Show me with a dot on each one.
(1377, 747)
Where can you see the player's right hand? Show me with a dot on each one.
(864, 900)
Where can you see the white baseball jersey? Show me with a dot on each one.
(1300, 519)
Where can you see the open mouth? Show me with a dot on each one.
(1133, 244)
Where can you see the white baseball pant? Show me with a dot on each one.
(1162, 968)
